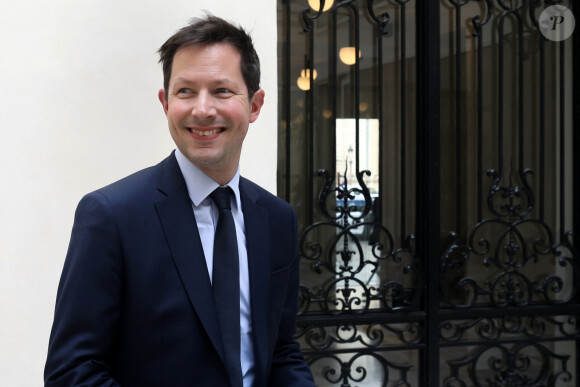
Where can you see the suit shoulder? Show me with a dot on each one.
(127, 187)
(140, 184)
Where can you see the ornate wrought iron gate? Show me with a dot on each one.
(428, 149)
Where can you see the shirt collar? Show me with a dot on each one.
(199, 185)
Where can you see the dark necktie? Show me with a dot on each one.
(226, 283)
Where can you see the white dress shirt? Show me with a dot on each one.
(199, 187)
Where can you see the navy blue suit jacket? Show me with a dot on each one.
(134, 304)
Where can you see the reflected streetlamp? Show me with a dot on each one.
(350, 156)
(315, 5)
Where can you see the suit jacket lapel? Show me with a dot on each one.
(182, 235)
(258, 247)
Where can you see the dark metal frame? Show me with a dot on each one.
(576, 143)
(428, 161)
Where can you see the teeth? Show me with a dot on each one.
(206, 132)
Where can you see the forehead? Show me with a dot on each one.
(215, 56)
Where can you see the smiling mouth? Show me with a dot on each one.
(206, 132)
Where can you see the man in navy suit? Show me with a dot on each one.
(135, 305)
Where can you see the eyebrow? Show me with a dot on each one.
(183, 80)
(219, 81)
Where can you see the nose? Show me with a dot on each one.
(203, 106)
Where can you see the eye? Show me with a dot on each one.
(184, 90)
(223, 90)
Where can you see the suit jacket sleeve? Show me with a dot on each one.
(89, 300)
(288, 366)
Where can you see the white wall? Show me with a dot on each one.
(79, 110)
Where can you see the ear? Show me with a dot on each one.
(256, 104)
(163, 100)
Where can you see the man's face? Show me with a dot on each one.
(208, 109)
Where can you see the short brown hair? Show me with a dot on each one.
(209, 30)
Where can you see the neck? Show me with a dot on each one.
(220, 176)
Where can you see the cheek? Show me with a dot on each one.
(241, 104)
(240, 116)
(177, 111)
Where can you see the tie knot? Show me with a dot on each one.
(221, 197)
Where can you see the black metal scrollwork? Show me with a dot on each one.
(475, 21)
(381, 21)
(512, 245)
(365, 343)
(494, 329)
(354, 369)
(345, 256)
(517, 365)
(512, 257)
(509, 245)
(373, 335)
(309, 15)
(357, 271)
(362, 301)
